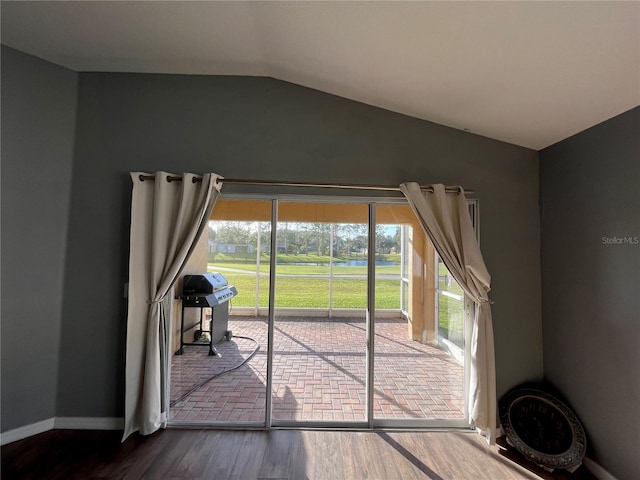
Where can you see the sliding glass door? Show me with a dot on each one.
(229, 388)
(417, 382)
(319, 370)
(344, 317)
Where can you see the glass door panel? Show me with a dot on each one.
(451, 311)
(416, 380)
(319, 360)
(230, 388)
(319, 367)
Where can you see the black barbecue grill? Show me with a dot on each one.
(207, 290)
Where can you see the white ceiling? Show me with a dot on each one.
(528, 73)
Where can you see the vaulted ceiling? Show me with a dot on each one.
(528, 73)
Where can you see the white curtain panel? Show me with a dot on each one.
(446, 221)
(167, 218)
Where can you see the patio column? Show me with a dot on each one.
(422, 319)
(258, 253)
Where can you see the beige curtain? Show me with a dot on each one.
(445, 219)
(167, 218)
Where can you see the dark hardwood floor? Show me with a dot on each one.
(274, 454)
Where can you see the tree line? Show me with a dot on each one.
(307, 238)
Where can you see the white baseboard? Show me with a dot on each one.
(89, 423)
(62, 423)
(26, 431)
(596, 470)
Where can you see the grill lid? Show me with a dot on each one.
(204, 283)
(206, 290)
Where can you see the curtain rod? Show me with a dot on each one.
(346, 186)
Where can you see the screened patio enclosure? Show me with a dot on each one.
(364, 326)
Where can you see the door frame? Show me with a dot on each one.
(370, 423)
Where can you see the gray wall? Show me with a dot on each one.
(591, 298)
(236, 126)
(38, 122)
(251, 127)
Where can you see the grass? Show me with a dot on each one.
(309, 292)
(289, 269)
(297, 258)
(296, 286)
(451, 319)
(302, 264)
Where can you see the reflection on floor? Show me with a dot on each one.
(319, 374)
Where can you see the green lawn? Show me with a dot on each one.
(296, 286)
(302, 269)
(309, 292)
(298, 258)
(312, 264)
(451, 319)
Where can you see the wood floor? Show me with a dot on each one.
(274, 454)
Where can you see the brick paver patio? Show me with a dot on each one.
(319, 374)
